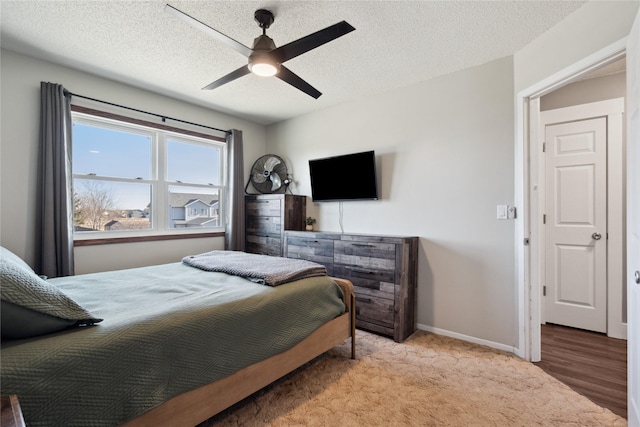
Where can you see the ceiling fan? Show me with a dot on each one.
(265, 59)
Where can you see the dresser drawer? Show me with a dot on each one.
(378, 283)
(373, 255)
(311, 248)
(270, 207)
(318, 250)
(377, 311)
(264, 226)
(265, 245)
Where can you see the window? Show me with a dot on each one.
(134, 180)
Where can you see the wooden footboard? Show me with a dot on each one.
(198, 405)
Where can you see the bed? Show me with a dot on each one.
(162, 345)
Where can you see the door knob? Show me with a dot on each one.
(637, 277)
(596, 236)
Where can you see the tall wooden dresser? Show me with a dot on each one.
(267, 216)
(383, 270)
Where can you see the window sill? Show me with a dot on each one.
(136, 239)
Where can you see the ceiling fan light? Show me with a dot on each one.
(262, 64)
(263, 69)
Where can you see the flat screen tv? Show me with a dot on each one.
(345, 177)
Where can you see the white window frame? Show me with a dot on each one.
(158, 179)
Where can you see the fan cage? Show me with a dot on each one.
(269, 175)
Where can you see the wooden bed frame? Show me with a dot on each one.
(196, 406)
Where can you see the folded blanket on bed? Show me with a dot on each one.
(263, 269)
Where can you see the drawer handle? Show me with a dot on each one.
(364, 299)
(359, 270)
(362, 245)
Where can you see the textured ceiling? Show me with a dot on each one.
(396, 44)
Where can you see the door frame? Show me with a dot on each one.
(613, 110)
(527, 125)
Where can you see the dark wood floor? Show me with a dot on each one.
(590, 363)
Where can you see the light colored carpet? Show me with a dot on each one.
(429, 380)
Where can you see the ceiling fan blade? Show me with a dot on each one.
(242, 71)
(290, 77)
(312, 41)
(233, 44)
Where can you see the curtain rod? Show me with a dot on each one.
(164, 118)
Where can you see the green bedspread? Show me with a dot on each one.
(167, 329)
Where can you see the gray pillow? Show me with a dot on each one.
(6, 254)
(20, 322)
(32, 306)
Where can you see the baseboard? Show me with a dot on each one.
(618, 331)
(480, 341)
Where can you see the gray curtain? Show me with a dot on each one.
(234, 231)
(54, 216)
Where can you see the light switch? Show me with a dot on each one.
(502, 212)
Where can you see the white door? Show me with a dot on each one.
(575, 225)
(633, 224)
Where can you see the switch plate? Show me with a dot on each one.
(502, 212)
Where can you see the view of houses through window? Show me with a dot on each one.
(191, 209)
(129, 178)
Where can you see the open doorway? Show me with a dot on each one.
(526, 163)
(581, 198)
(578, 230)
(578, 176)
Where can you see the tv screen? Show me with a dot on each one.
(346, 177)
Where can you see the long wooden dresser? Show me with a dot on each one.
(267, 216)
(383, 270)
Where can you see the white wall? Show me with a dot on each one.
(594, 26)
(19, 116)
(445, 157)
(92, 259)
(586, 91)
